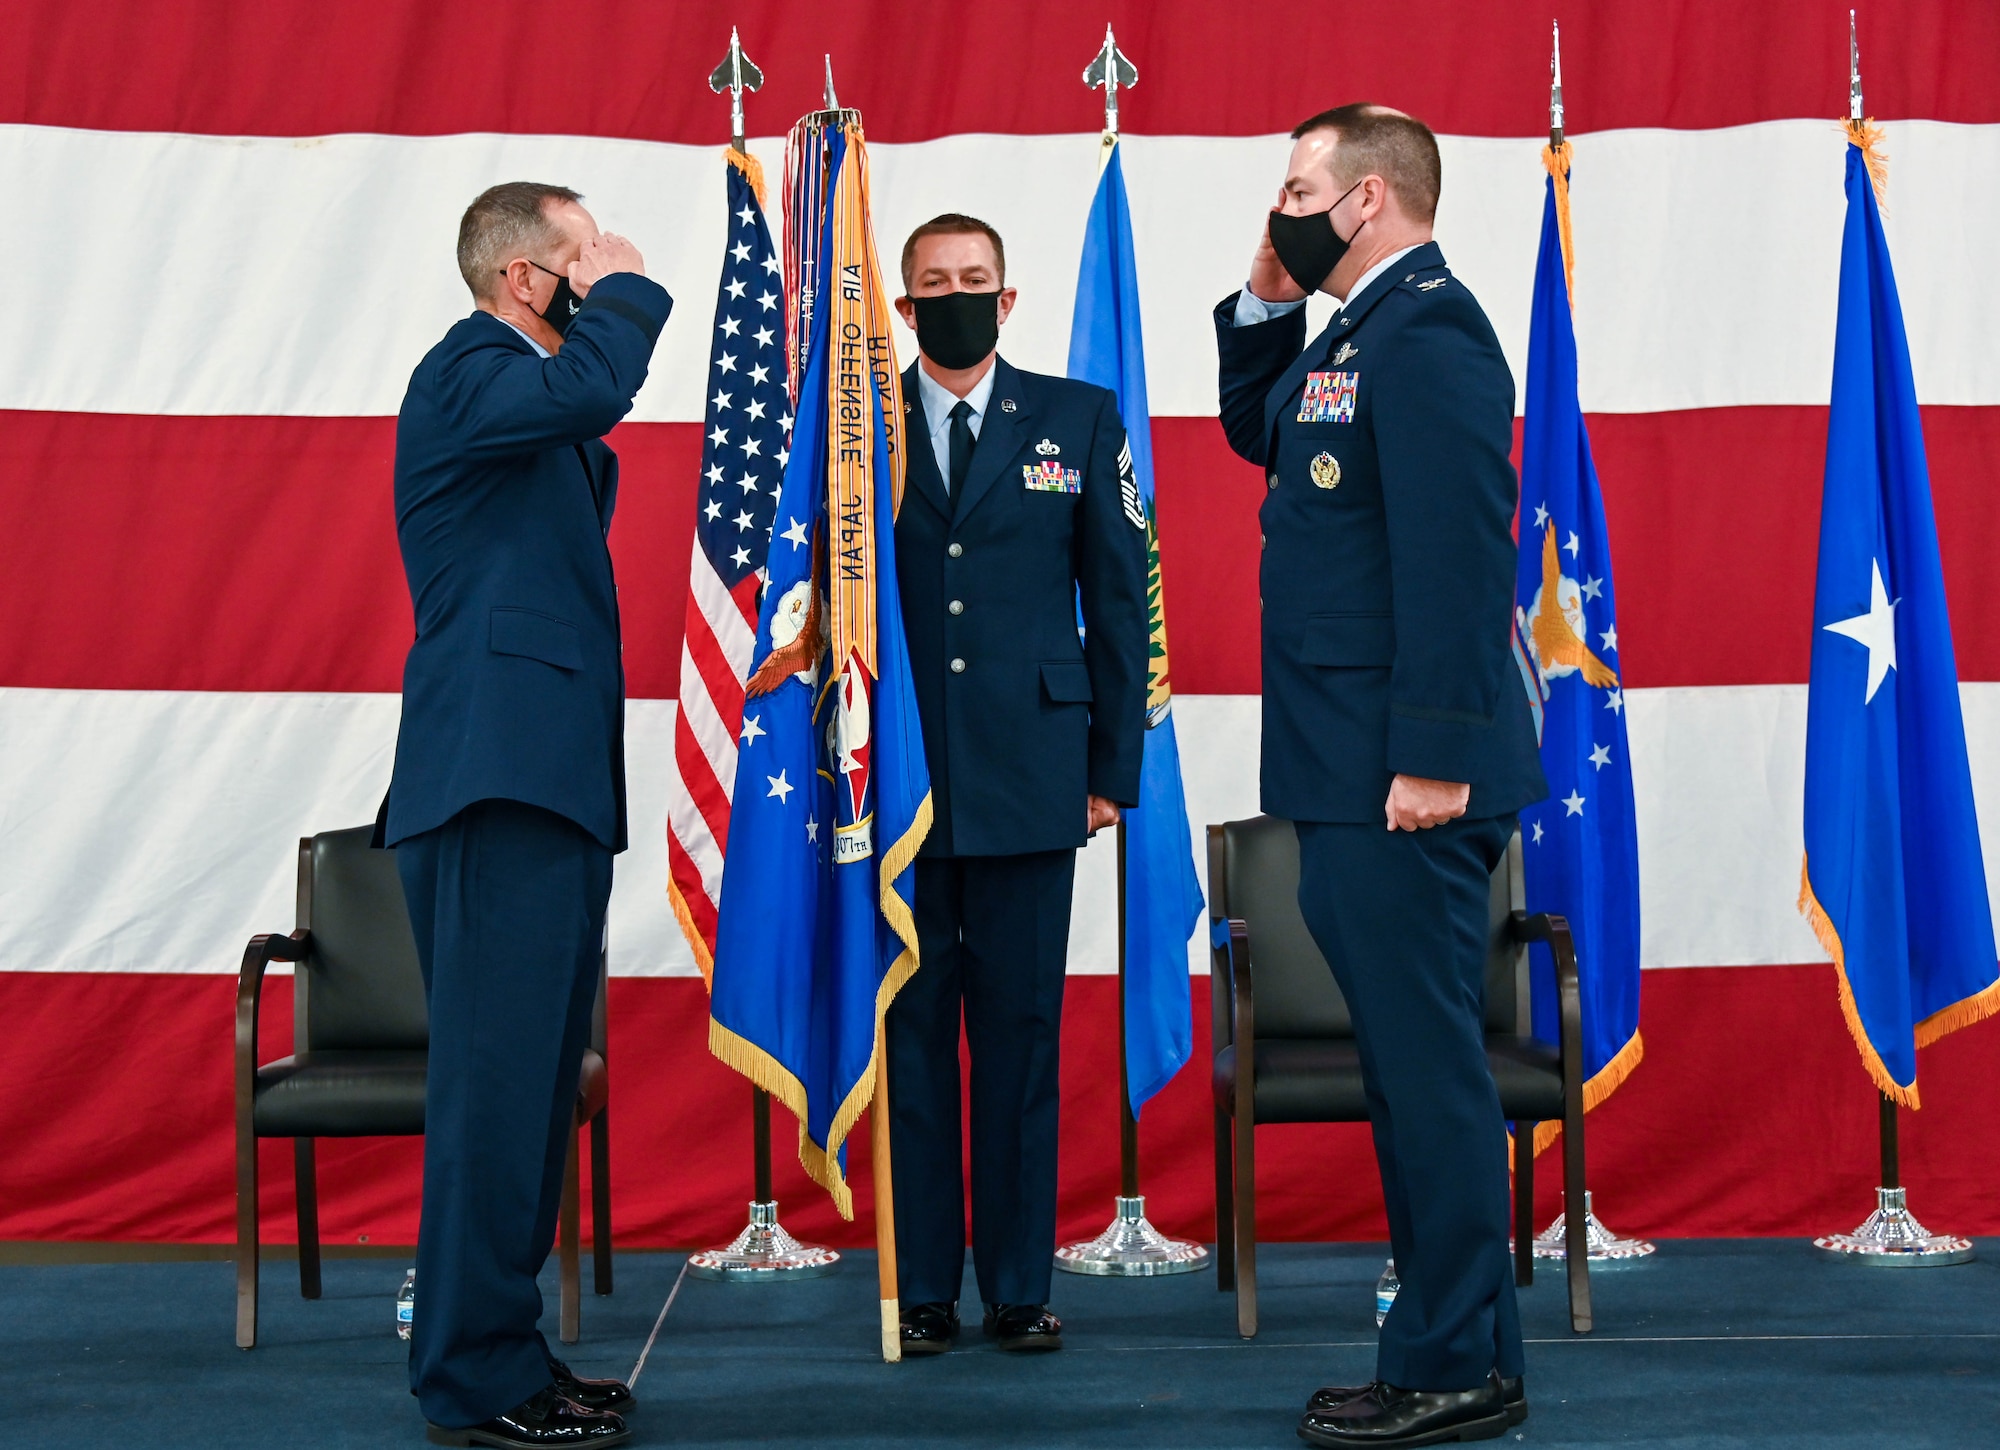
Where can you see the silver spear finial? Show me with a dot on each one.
(832, 104)
(736, 75)
(1556, 86)
(1853, 71)
(1110, 70)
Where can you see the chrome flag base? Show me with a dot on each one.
(1890, 1239)
(1601, 1245)
(1131, 1248)
(763, 1254)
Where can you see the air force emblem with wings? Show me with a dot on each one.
(1556, 624)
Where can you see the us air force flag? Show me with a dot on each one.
(1162, 893)
(1893, 882)
(1580, 843)
(832, 795)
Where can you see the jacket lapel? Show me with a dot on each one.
(1001, 433)
(920, 474)
(1342, 326)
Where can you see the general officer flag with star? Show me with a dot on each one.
(1581, 843)
(1162, 893)
(816, 932)
(1894, 882)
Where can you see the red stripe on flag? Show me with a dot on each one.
(639, 69)
(260, 553)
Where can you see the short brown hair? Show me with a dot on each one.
(953, 224)
(1374, 140)
(504, 222)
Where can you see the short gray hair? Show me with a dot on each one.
(1372, 139)
(507, 221)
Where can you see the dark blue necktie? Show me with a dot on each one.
(961, 446)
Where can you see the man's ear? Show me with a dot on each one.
(1006, 302)
(907, 310)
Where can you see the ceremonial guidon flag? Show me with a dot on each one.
(744, 449)
(1580, 844)
(1893, 881)
(816, 932)
(1163, 899)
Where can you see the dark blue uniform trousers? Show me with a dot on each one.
(994, 936)
(507, 902)
(1401, 918)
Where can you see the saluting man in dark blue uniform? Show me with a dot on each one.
(1397, 733)
(1020, 504)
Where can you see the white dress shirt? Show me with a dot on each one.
(938, 401)
(1250, 308)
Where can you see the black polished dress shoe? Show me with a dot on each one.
(1512, 1392)
(929, 1328)
(543, 1420)
(1386, 1416)
(591, 1394)
(1023, 1328)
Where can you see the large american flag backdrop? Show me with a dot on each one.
(233, 240)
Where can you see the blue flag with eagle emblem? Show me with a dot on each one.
(1581, 843)
(815, 933)
(1894, 882)
(1161, 891)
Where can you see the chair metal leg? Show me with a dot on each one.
(1246, 1226)
(1576, 1220)
(246, 1239)
(566, 1238)
(600, 1201)
(306, 1180)
(1225, 1216)
(1524, 1204)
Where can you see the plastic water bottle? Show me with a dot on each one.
(406, 1304)
(1385, 1292)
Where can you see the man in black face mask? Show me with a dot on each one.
(508, 799)
(1020, 504)
(1397, 734)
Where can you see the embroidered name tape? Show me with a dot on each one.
(1329, 398)
(1051, 478)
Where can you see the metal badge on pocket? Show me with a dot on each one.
(1326, 471)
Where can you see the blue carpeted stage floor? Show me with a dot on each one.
(1711, 1343)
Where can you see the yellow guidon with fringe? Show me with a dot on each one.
(847, 570)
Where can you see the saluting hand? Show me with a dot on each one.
(1268, 277)
(602, 255)
(1416, 803)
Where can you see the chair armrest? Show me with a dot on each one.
(262, 951)
(1554, 930)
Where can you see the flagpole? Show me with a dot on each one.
(1601, 1245)
(763, 1252)
(1130, 1247)
(885, 1210)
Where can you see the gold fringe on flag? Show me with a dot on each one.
(750, 166)
(703, 958)
(1601, 1085)
(1868, 137)
(1830, 942)
(1556, 159)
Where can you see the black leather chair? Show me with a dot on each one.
(1285, 1049)
(360, 1037)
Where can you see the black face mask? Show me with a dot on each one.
(1308, 247)
(563, 307)
(957, 329)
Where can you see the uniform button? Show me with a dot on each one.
(958, 667)
(1262, 541)
(955, 550)
(1274, 480)
(957, 606)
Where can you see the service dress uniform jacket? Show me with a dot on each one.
(507, 804)
(1387, 582)
(514, 688)
(1022, 720)
(1387, 576)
